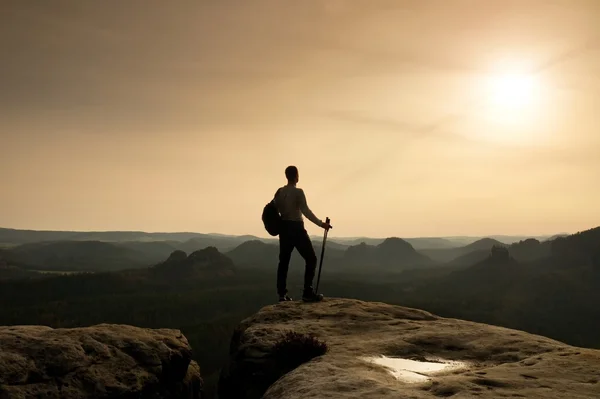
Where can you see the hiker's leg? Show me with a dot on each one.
(305, 248)
(286, 246)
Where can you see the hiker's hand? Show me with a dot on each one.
(326, 225)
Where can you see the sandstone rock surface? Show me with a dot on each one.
(499, 362)
(103, 361)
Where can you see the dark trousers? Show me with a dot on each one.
(293, 235)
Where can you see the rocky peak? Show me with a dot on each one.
(530, 241)
(252, 244)
(177, 256)
(103, 361)
(373, 350)
(395, 242)
(203, 263)
(207, 255)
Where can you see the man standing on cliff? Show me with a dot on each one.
(291, 203)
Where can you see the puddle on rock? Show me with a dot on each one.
(413, 371)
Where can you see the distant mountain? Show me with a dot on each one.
(508, 239)
(13, 236)
(226, 242)
(530, 250)
(475, 286)
(255, 253)
(416, 242)
(208, 262)
(258, 254)
(333, 251)
(11, 272)
(554, 237)
(98, 256)
(152, 251)
(490, 269)
(350, 241)
(484, 243)
(393, 254)
(430, 243)
(582, 248)
(450, 254)
(28, 236)
(470, 258)
(194, 240)
(75, 255)
(361, 254)
(563, 286)
(523, 251)
(222, 243)
(394, 249)
(76, 251)
(331, 244)
(574, 259)
(197, 243)
(461, 241)
(419, 243)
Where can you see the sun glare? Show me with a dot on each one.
(513, 101)
(512, 91)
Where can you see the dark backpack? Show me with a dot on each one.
(271, 218)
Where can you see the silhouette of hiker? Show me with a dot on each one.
(291, 204)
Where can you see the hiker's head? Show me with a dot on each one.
(291, 172)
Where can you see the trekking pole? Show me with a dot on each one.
(322, 254)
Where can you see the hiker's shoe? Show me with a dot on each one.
(284, 298)
(310, 296)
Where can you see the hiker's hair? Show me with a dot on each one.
(291, 172)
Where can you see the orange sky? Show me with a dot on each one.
(140, 115)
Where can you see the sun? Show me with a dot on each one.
(512, 90)
(511, 104)
(512, 94)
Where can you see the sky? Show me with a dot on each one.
(405, 117)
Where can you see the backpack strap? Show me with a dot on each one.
(275, 196)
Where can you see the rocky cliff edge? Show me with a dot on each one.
(103, 361)
(375, 350)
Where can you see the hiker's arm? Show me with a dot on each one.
(306, 210)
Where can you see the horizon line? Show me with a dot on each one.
(275, 238)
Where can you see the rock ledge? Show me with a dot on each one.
(502, 362)
(102, 361)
